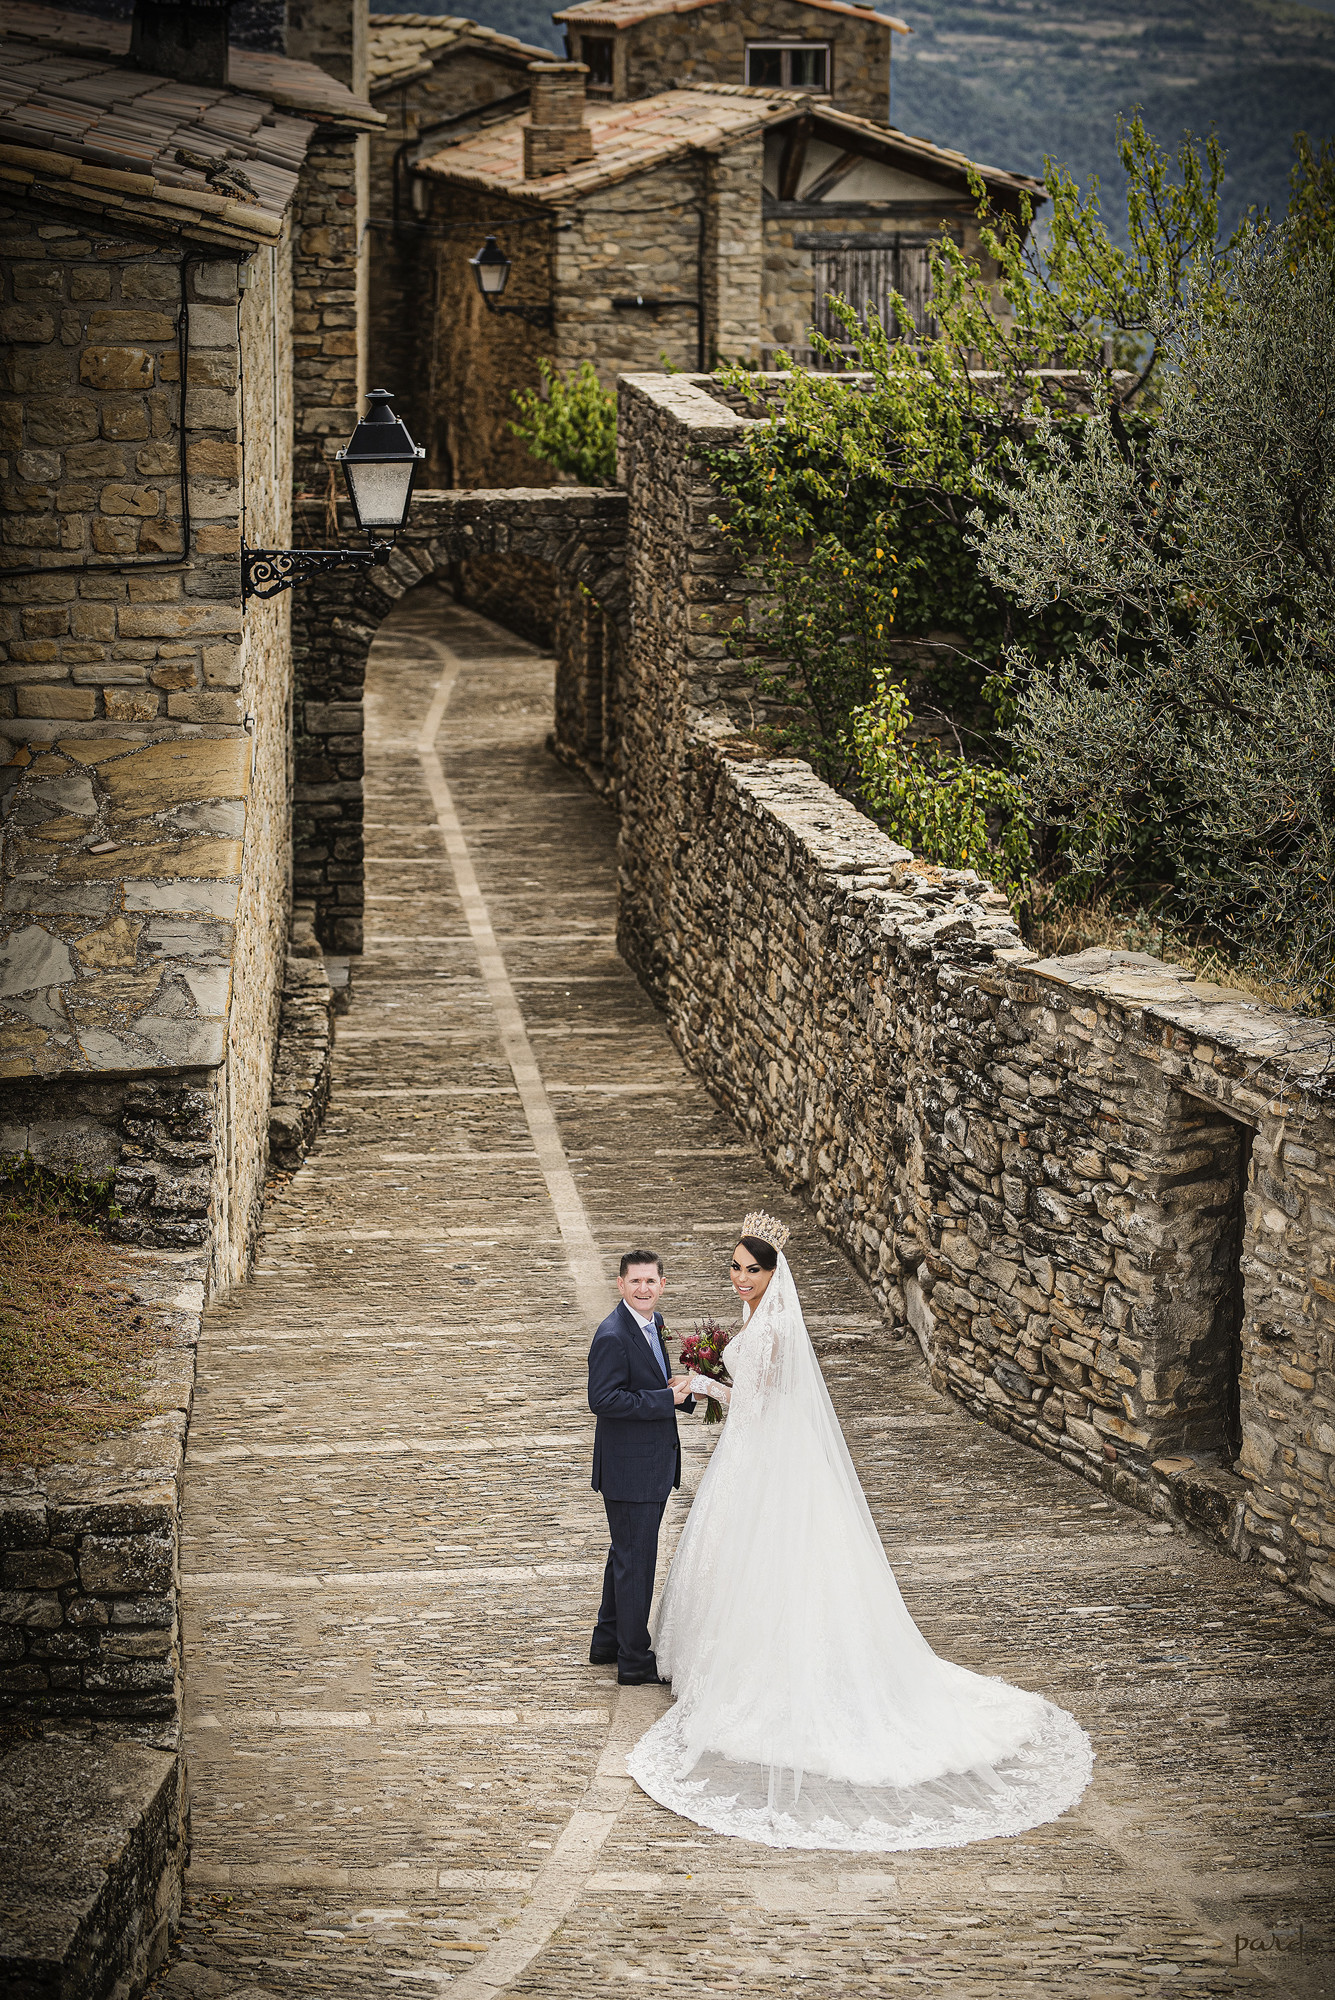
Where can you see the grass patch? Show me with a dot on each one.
(1059, 930)
(74, 1345)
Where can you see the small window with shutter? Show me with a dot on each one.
(865, 271)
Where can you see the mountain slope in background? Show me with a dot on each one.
(1012, 80)
(1008, 81)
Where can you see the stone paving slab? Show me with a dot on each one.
(406, 1776)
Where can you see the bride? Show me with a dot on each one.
(809, 1710)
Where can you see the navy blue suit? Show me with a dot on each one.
(636, 1464)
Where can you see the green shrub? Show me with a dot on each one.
(572, 426)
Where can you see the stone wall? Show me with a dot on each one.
(469, 360)
(93, 1838)
(330, 276)
(708, 45)
(1100, 1191)
(146, 706)
(89, 1552)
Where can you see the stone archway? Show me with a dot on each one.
(577, 534)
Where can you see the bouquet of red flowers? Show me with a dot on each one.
(702, 1354)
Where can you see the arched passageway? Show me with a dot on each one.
(405, 1774)
(507, 552)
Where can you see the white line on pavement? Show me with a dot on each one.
(229, 1454)
(405, 1718)
(250, 1580)
(585, 1258)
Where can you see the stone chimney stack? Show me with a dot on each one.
(332, 34)
(556, 137)
(185, 39)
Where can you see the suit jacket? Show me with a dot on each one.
(636, 1451)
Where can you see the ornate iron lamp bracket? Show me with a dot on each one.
(266, 572)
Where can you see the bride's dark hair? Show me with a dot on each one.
(764, 1253)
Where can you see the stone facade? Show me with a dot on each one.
(154, 389)
(1100, 1191)
(147, 728)
(708, 223)
(653, 48)
(330, 281)
(427, 72)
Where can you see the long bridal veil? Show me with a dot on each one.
(809, 1711)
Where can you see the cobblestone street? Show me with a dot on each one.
(406, 1777)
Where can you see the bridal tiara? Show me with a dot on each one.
(767, 1227)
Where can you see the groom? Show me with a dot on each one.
(636, 1461)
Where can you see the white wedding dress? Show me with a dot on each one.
(809, 1711)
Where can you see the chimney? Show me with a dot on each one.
(556, 137)
(333, 35)
(185, 39)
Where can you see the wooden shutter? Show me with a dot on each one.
(866, 276)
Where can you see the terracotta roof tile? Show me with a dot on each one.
(626, 136)
(632, 135)
(403, 46)
(83, 122)
(296, 86)
(625, 13)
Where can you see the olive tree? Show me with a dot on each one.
(1194, 712)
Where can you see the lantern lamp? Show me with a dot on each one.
(379, 464)
(491, 268)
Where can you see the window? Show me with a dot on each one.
(788, 65)
(865, 274)
(596, 51)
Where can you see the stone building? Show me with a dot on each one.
(180, 329)
(427, 73)
(636, 48)
(705, 222)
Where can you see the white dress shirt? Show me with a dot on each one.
(649, 1328)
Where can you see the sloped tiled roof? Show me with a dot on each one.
(401, 47)
(625, 13)
(88, 132)
(627, 137)
(642, 132)
(297, 86)
(910, 151)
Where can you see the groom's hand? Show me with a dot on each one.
(680, 1386)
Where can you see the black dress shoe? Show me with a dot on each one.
(642, 1680)
(597, 1659)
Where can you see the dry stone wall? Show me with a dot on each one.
(89, 1551)
(1100, 1192)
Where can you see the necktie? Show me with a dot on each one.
(655, 1346)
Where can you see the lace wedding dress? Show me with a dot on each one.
(809, 1710)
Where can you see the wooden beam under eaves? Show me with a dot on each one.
(794, 158)
(837, 171)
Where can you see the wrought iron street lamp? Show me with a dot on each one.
(379, 464)
(491, 269)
